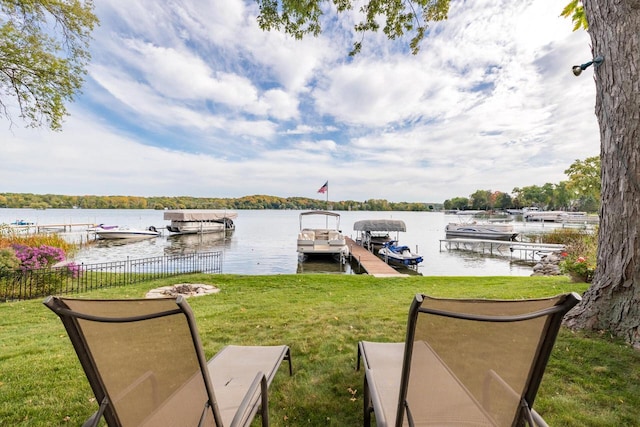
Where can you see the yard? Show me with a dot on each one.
(591, 380)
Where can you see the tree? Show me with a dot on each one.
(43, 54)
(299, 18)
(534, 195)
(481, 199)
(584, 178)
(562, 198)
(502, 200)
(457, 203)
(613, 301)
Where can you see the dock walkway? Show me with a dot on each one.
(370, 262)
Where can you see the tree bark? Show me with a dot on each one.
(612, 302)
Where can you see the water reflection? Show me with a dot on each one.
(179, 244)
(319, 265)
(403, 269)
(109, 243)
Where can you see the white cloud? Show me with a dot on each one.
(192, 98)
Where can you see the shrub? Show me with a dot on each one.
(33, 258)
(8, 238)
(579, 259)
(8, 260)
(36, 270)
(30, 261)
(566, 236)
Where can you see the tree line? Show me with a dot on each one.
(581, 192)
(56, 201)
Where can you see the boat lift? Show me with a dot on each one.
(530, 252)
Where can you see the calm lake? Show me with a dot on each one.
(264, 241)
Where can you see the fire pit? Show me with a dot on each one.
(185, 289)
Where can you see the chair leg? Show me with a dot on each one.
(265, 402)
(368, 409)
(287, 357)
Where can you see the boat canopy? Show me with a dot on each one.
(379, 225)
(198, 215)
(328, 213)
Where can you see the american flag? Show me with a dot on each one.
(324, 188)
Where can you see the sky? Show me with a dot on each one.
(192, 98)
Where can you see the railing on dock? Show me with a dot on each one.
(524, 251)
(35, 228)
(75, 278)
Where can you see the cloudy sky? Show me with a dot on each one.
(191, 98)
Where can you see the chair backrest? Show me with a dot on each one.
(141, 357)
(477, 361)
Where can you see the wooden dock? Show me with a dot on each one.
(42, 228)
(370, 262)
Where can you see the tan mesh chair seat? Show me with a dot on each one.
(146, 366)
(464, 363)
(233, 370)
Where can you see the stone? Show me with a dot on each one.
(548, 265)
(185, 289)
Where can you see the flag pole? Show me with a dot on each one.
(327, 202)
(326, 206)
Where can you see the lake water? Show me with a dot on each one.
(264, 241)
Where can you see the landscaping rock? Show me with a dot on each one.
(548, 265)
(184, 289)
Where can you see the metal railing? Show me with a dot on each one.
(74, 278)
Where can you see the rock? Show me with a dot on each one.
(184, 289)
(548, 265)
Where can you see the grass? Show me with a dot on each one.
(592, 380)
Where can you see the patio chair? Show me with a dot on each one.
(464, 363)
(145, 363)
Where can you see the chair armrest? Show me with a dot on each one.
(260, 385)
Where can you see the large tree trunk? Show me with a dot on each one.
(612, 302)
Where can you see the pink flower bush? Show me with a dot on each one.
(43, 256)
(32, 258)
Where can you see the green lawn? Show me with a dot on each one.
(591, 380)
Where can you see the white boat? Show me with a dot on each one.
(473, 230)
(127, 233)
(192, 221)
(394, 253)
(101, 227)
(373, 233)
(317, 238)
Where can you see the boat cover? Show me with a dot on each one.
(328, 213)
(379, 225)
(198, 215)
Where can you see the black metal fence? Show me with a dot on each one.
(74, 278)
